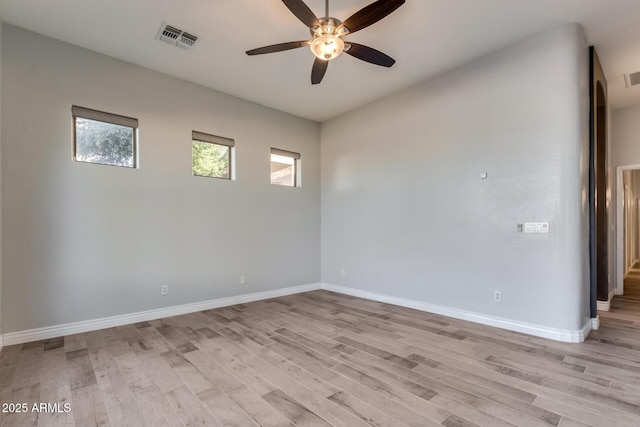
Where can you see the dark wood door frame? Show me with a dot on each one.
(598, 224)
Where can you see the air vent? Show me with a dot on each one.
(632, 79)
(176, 37)
(187, 40)
(169, 34)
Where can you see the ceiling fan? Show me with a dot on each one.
(328, 33)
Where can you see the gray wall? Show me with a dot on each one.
(625, 137)
(83, 241)
(404, 210)
(625, 151)
(611, 210)
(1, 182)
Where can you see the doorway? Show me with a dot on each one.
(628, 232)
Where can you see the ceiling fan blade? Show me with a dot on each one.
(370, 55)
(277, 47)
(302, 12)
(371, 14)
(318, 70)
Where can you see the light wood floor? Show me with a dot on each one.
(319, 359)
(629, 303)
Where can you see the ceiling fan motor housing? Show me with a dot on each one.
(328, 26)
(327, 40)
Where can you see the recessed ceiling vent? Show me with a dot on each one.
(176, 37)
(632, 79)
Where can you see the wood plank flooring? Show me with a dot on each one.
(324, 359)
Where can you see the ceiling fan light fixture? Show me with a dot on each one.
(327, 47)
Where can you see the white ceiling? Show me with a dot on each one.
(426, 37)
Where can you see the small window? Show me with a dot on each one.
(285, 168)
(212, 155)
(104, 138)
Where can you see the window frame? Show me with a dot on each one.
(296, 166)
(215, 140)
(109, 118)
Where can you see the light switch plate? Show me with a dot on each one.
(536, 228)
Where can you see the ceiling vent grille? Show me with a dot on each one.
(632, 79)
(187, 40)
(176, 37)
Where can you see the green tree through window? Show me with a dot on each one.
(105, 143)
(210, 159)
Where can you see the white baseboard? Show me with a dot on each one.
(606, 305)
(126, 319)
(595, 324)
(564, 335)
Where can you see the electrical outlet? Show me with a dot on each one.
(343, 272)
(243, 279)
(164, 290)
(536, 227)
(497, 296)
